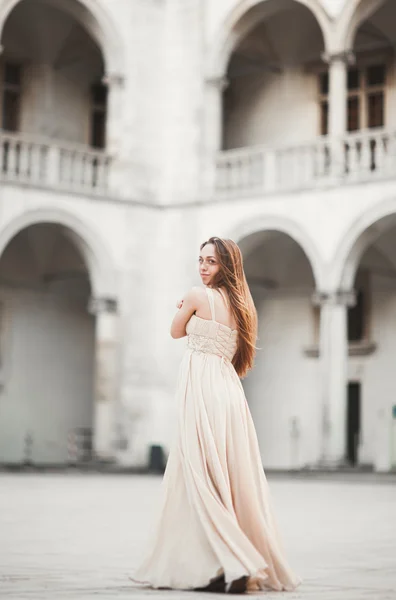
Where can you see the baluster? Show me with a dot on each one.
(325, 161)
(262, 170)
(99, 174)
(380, 154)
(61, 166)
(365, 156)
(298, 167)
(387, 159)
(78, 171)
(317, 162)
(291, 168)
(106, 168)
(11, 159)
(248, 179)
(237, 173)
(258, 171)
(229, 174)
(50, 157)
(25, 149)
(246, 160)
(34, 163)
(65, 169)
(241, 177)
(295, 161)
(93, 162)
(391, 152)
(306, 157)
(86, 169)
(74, 161)
(282, 170)
(309, 160)
(353, 160)
(372, 143)
(93, 165)
(248, 167)
(307, 164)
(269, 170)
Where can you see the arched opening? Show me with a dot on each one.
(370, 269)
(371, 79)
(51, 72)
(47, 341)
(283, 389)
(273, 69)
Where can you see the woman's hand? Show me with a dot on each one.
(187, 306)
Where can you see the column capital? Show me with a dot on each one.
(344, 56)
(335, 298)
(113, 80)
(102, 305)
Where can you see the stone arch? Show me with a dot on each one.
(98, 23)
(361, 234)
(290, 228)
(239, 21)
(100, 263)
(355, 13)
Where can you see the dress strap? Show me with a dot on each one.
(209, 293)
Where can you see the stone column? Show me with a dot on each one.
(105, 389)
(338, 92)
(212, 131)
(337, 98)
(333, 352)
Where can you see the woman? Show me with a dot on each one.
(216, 530)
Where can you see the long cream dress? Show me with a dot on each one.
(216, 516)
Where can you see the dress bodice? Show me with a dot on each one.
(210, 336)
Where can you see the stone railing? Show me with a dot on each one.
(50, 163)
(357, 157)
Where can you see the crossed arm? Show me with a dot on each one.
(187, 308)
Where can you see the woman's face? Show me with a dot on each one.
(208, 264)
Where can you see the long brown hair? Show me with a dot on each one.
(231, 276)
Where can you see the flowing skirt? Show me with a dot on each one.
(216, 515)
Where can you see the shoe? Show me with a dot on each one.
(217, 586)
(238, 586)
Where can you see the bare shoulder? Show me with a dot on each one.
(195, 295)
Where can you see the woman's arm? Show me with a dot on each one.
(188, 306)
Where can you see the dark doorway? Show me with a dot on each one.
(353, 422)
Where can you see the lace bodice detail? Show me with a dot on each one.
(210, 336)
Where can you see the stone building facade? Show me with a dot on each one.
(134, 129)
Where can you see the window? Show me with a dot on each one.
(98, 115)
(353, 113)
(359, 315)
(356, 319)
(323, 102)
(11, 96)
(324, 117)
(366, 98)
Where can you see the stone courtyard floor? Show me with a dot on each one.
(79, 536)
